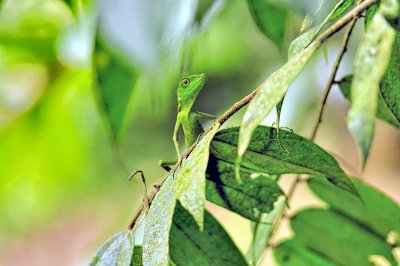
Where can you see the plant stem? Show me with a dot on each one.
(332, 76)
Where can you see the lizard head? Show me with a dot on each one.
(188, 89)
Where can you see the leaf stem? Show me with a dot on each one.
(332, 76)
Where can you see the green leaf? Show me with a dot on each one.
(271, 17)
(191, 180)
(262, 232)
(115, 83)
(255, 195)
(115, 251)
(379, 214)
(302, 41)
(383, 111)
(390, 84)
(338, 238)
(158, 223)
(290, 154)
(371, 61)
(339, 9)
(30, 31)
(291, 253)
(212, 246)
(370, 13)
(270, 93)
(206, 10)
(137, 256)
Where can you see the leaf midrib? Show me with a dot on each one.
(317, 172)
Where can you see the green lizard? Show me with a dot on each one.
(187, 92)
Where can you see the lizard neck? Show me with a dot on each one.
(184, 110)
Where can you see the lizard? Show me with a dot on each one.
(188, 119)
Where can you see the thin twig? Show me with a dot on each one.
(145, 196)
(332, 76)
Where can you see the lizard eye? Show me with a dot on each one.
(185, 82)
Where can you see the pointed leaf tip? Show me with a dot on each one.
(271, 18)
(117, 250)
(371, 61)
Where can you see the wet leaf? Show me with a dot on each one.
(212, 246)
(290, 154)
(270, 93)
(271, 17)
(158, 223)
(255, 195)
(379, 214)
(115, 251)
(338, 238)
(370, 64)
(384, 112)
(115, 83)
(191, 180)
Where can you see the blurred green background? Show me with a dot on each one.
(87, 95)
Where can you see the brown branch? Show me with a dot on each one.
(332, 76)
(355, 13)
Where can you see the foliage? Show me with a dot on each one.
(65, 44)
